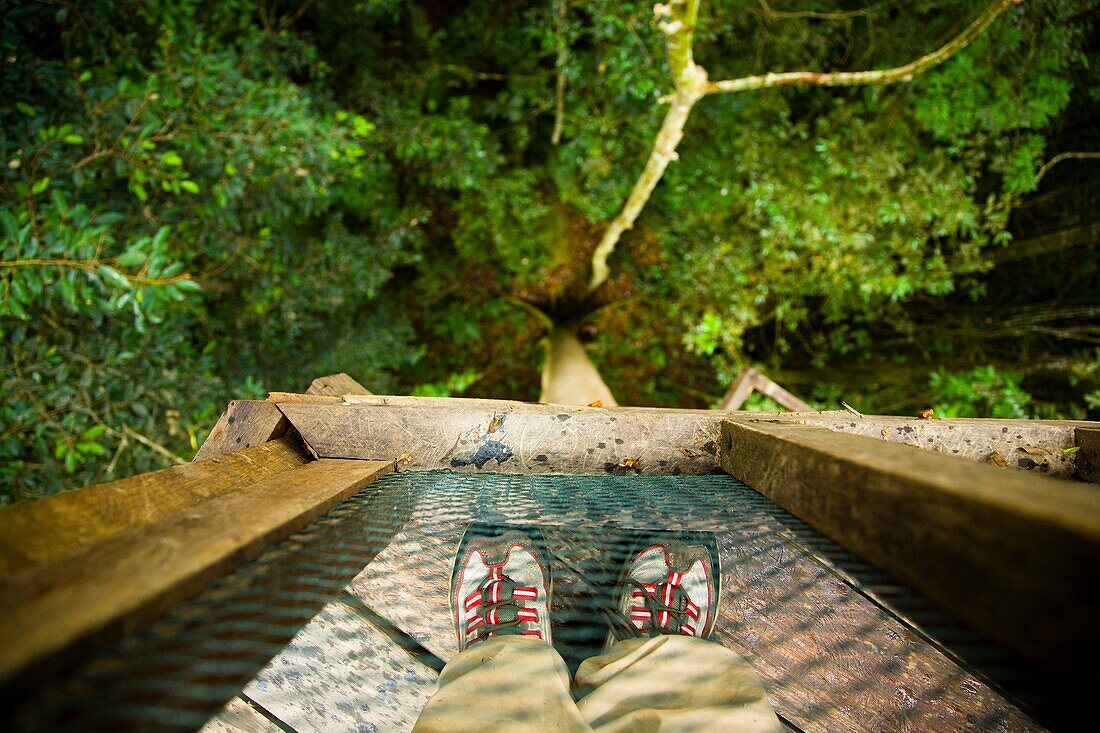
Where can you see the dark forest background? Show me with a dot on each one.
(208, 200)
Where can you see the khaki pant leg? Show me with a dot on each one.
(507, 683)
(673, 684)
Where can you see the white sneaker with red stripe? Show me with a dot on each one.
(667, 587)
(500, 584)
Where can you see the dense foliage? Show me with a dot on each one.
(204, 200)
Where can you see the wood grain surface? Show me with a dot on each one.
(343, 673)
(1017, 555)
(1088, 454)
(506, 436)
(55, 612)
(512, 437)
(336, 385)
(239, 716)
(244, 423)
(58, 526)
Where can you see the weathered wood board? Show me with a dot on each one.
(507, 438)
(1033, 445)
(830, 658)
(343, 673)
(59, 526)
(240, 717)
(750, 379)
(1016, 555)
(58, 611)
(244, 423)
(1088, 454)
(336, 385)
(518, 437)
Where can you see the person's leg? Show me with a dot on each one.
(659, 671)
(671, 684)
(506, 683)
(506, 676)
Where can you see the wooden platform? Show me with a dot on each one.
(135, 605)
(831, 658)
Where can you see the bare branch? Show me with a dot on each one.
(1045, 168)
(772, 14)
(559, 92)
(690, 81)
(881, 76)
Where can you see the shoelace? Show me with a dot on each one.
(499, 609)
(677, 613)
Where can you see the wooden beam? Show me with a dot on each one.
(448, 431)
(318, 399)
(56, 612)
(1042, 446)
(244, 423)
(55, 527)
(511, 437)
(751, 379)
(336, 385)
(739, 391)
(1016, 555)
(1088, 454)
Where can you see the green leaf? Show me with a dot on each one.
(172, 158)
(85, 77)
(139, 191)
(16, 308)
(10, 224)
(188, 285)
(93, 432)
(230, 169)
(131, 258)
(114, 277)
(189, 186)
(73, 139)
(90, 447)
(1069, 451)
(40, 185)
(25, 109)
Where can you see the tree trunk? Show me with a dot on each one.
(569, 376)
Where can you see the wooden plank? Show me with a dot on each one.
(336, 385)
(535, 438)
(239, 717)
(768, 387)
(343, 673)
(1016, 555)
(750, 379)
(739, 391)
(1041, 446)
(59, 526)
(1087, 462)
(58, 611)
(244, 423)
(483, 435)
(278, 397)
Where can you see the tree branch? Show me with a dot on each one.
(559, 90)
(1045, 168)
(881, 76)
(690, 81)
(692, 85)
(772, 14)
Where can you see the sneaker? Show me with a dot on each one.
(668, 586)
(500, 584)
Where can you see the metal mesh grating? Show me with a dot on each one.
(174, 673)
